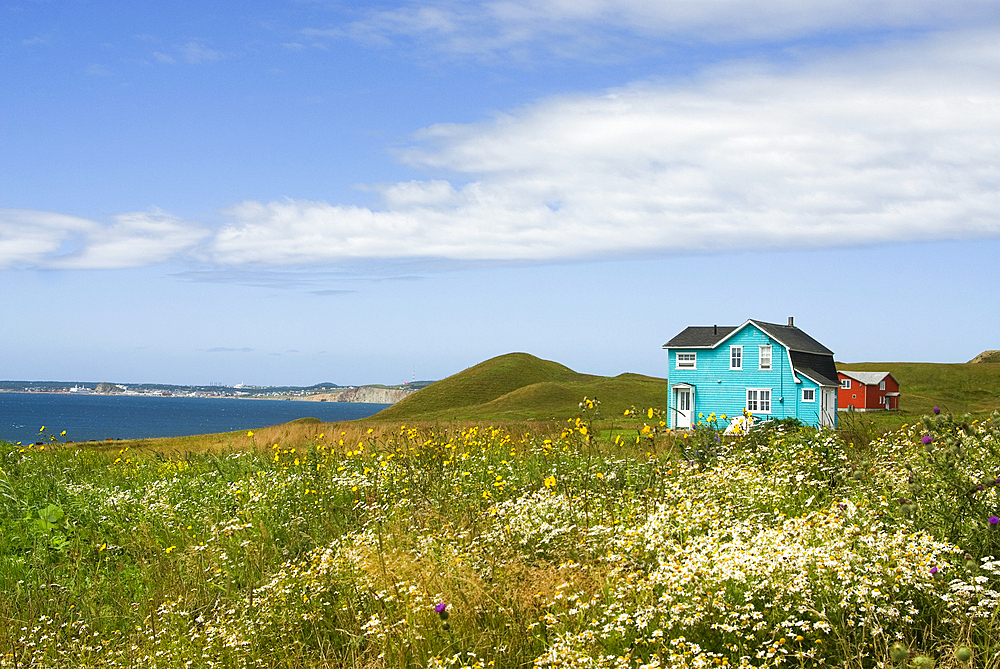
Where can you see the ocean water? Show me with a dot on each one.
(98, 417)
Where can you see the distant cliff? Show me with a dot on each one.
(108, 389)
(366, 394)
(987, 356)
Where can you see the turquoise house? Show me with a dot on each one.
(769, 370)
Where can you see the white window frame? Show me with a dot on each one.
(759, 401)
(845, 384)
(812, 393)
(760, 356)
(881, 384)
(693, 360)
(736, 355)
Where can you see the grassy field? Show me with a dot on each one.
(434, 545)
(500, 518)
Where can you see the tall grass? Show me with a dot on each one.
(454, 546)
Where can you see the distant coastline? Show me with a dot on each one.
(370, 394)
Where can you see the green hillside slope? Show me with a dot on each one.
(958, 388)
(519, 386)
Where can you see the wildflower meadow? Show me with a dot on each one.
(478, 546)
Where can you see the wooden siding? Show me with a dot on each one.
(867, 396)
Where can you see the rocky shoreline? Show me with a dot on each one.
(364, 394)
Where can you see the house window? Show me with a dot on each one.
(765, 356)
(845, 384)
(735, 357)
(881, 400)
(687, 360)
(881, 385)
(759, 400)
(808, 394)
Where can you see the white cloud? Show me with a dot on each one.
(896, 144)
(194, 52)
(28, 237)
(581, 27)
(857, 150)
(37, 39)
(31, 238)
(95, 70)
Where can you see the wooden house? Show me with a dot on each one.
(867, 391)
(769, 370)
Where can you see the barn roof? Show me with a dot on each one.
(867, 378)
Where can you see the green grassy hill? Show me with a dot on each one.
(958, 388)
(519, 386)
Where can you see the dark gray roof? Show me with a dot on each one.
(708, 336)
(793, 338)
(698, 336)
(817, 366)
(808, 356)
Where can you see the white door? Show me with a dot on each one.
(827, 407)
(682, 407)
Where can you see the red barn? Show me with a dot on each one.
(867, 391)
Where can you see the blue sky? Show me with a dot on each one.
(297, 192)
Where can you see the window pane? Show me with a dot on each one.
(765, 357)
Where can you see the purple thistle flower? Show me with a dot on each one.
(440, 607)
(934, 570)
(994, 521)
(937, 410)
(927, 439)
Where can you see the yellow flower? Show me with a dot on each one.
(550, 482)
(583, 429)
(249, 433)
(650, 412)
(170, 548)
